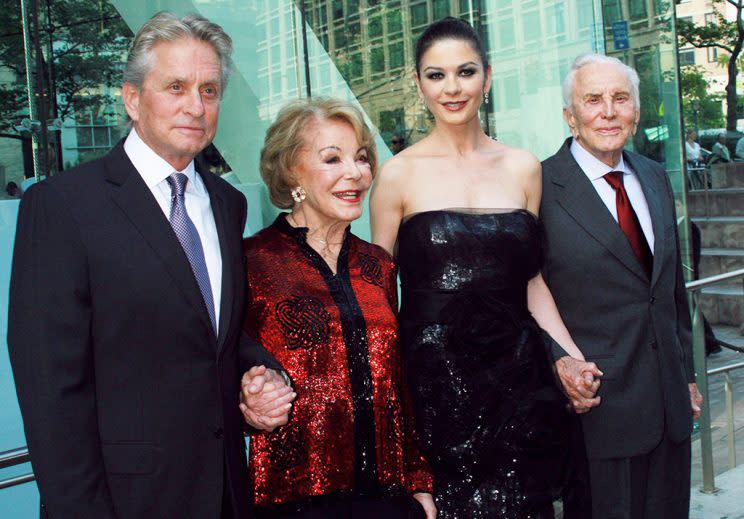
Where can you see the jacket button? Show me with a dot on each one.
(218, 433)
(652, 300)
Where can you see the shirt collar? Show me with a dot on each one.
(299, 233)
(153, 168)
(591, 165)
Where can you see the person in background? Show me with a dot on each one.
(397, 144)
(720, 152)
(13, 191)
(692, 149)
(739, 151)
(693, 156)
(324, 302)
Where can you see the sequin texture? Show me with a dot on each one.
(493, 421)
(351, 427)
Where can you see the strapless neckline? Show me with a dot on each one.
(469, 211)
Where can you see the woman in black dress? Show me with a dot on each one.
(462, 208)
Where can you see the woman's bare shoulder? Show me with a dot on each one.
(405, 164)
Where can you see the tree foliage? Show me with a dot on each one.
(701, 110)
(725, 35)
(83, 45)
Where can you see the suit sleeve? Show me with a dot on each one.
(684, 324)
(252, 352)
(51, 353)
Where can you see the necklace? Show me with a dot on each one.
(293, 221)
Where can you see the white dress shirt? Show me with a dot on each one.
(595, 170)
(154, 171)
(693, 151)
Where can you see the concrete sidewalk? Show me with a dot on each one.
(728, 501)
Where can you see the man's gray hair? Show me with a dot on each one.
(165, 26)
(569, 83)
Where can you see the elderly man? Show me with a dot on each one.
(613, 266)
(126, 306)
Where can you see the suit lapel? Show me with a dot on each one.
(576, 194)
(650, 185)
(130, 193)
(221, 221)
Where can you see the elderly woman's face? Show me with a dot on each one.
(334, 170)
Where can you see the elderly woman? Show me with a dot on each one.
(324, 302)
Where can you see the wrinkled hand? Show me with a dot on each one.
(696, 400)
(580, 380)
(265, 398)
(427, 503)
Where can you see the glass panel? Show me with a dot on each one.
(441, 8)
(374, 27)
(377, 59)
(395, 52)
(531, 29)
(528, 70)
(638, 9)
(612, 11)
(419, 15)
(394, 22)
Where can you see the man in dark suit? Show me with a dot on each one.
(126, 304)
(613, 267)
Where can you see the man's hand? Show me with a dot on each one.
(427, 503)
(580, 380)
(265, 398)
(696, 400)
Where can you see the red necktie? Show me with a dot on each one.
(629, 223)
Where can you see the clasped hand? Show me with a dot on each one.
(580, 380)
(265, 398)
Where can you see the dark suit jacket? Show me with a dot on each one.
(130, 403)
(636, 330)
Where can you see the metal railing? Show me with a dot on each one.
(11, 458)
(699, 181)
(698, 346)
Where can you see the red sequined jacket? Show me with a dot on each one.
(351, 427)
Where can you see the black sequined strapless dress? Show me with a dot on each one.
(493, 421)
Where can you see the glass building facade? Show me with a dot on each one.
(60, 99)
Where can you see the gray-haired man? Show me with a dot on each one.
(613, 267)
(126, 307)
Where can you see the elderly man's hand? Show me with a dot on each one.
(580, 380)
(265, 398)
(696, 400)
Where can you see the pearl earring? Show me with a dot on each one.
(298, 194)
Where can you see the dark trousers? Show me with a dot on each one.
(227, 505)
(651, 486)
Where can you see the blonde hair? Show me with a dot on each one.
(285, 138)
